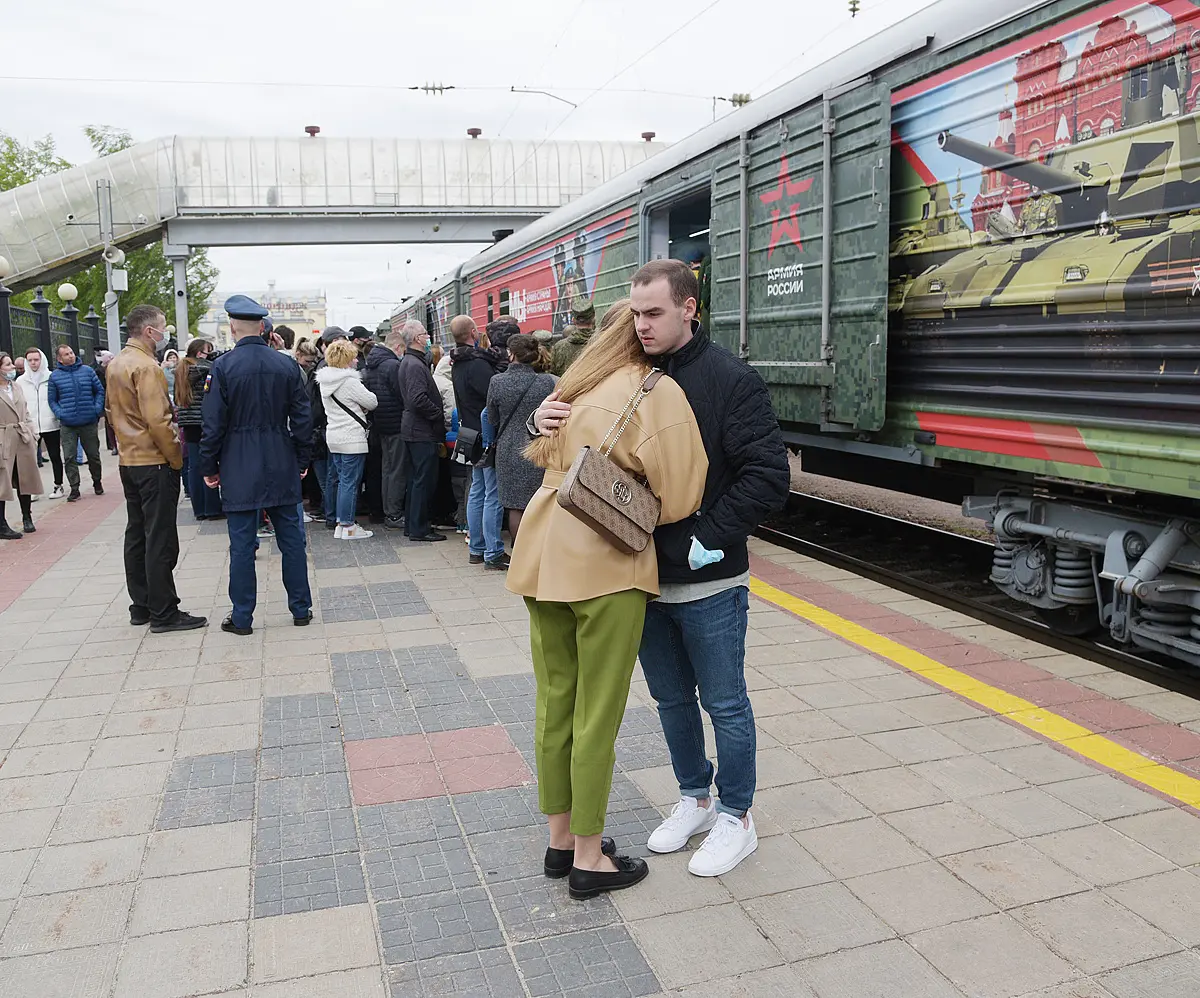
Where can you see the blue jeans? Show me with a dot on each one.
(320, 468)
(702, 646)
(485, 515)
(243, 582)
(345, 474)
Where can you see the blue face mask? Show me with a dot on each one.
(10, 375)
(428, 350)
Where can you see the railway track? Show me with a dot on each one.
(945, 568)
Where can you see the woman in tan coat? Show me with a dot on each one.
(19, 475)
(587, 600)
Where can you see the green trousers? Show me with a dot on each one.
(583, 657)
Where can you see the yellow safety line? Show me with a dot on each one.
(1053, 727)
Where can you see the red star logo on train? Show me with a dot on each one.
(785, 224)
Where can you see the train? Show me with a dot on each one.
(964, 255)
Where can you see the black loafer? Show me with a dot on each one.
(586, 884)
(303, 621)
(559, 861)
(230, 627)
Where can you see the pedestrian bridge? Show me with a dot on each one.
(272, 192)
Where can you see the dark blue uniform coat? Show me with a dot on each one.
(257, 427)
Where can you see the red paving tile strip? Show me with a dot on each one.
(1163, 742)
(61, 527)
(411, 767)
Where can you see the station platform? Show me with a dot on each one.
(350, 810)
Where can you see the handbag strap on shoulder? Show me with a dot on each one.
(626, 414)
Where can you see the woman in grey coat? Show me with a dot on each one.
(511, 397)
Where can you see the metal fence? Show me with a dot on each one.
(22, 329)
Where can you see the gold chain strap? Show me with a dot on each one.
(630, 408)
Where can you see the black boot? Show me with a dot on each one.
(28, 524)
(7, 533)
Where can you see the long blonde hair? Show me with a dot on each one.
(615, 346)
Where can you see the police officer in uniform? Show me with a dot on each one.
(256, 445)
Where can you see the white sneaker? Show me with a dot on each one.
(337, 532)
(688, 819)
(353, 532)
(727, 845)
(57, 492)
(308, 518)
(34, 498)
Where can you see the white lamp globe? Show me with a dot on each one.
(68, 292)
(5, 268)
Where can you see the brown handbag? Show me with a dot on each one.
(617, 505)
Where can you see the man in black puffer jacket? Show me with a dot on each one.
(695, 634)
(423, 428)
(382, 377)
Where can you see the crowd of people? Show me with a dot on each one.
(495, 433)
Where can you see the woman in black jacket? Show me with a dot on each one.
(189, 393)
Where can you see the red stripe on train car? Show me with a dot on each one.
(1037, 441)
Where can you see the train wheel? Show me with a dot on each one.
(1076, 621)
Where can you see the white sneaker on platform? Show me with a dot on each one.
(727, 845)
(353, 532)
(688, 819)
(57, 492)
(337, 532)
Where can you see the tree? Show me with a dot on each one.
(151, 274)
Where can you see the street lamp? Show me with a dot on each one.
(68, 292)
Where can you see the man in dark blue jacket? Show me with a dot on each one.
(256, 446)
(381, 377)
(77, 400)
(423, 429)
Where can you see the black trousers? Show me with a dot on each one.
(151, 539)
(422, 485)
(53, 442)
(372, 486)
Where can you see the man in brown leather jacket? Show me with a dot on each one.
(139, 411)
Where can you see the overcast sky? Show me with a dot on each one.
(266, 68)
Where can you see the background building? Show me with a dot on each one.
(304, 311)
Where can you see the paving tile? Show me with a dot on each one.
(896, 789)
(103, 785)
(208, 790)
(775, 982)
(854, 848)
(1081, 988)
(76, 973)
(1175, 976)
(1173, 833)
(377, 714)
(512, 853)
(780, 863)
(87, 864)
(987, 734)
(1168, 901)
(513, 807)
(1101, 855)
(991, 957)
(302, 760)
(1106, 797)
(670, 889)
(437, 925)
(377, 753)
(842, 756)
(300, 719)
(912, 898)
(815, 920)
(913, 745)
(362, 983)
(808, 805)
(300, 794)
(944, 829)
(185, 962)
(1029, 812)
(679, 946)
(535, 907)
(1093, 932)
(68, 729)
(1040, 764)
(190, 899)
(491, 772)
(1013, 874)
(869, 718)
(488, 974)
(429, 664)
(312, 942)
(389, 826)
(885, 970)
(68, 920)
(964, 777)
(298, 885)
(194, 850)
(25, 792)
(415, 869)
(801, 727)
(123, 816)
(324, 832)
(27, 829)
(396, 783)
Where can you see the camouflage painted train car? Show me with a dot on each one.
(965, 257)
(434, 307)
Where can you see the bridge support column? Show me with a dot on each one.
(178, 255)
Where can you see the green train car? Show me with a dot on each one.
(965, 257)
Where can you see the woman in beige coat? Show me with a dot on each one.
(19, 475)
(587, 600)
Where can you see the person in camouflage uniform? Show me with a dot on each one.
(575, 336)
(1039, 213)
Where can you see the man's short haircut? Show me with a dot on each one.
(678, 275)
(36, 350)
(413, 330)
(395, 340)
(288, 335)
(141, 316)
(463, 329)
(58, 349)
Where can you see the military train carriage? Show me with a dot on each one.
(965, 257)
